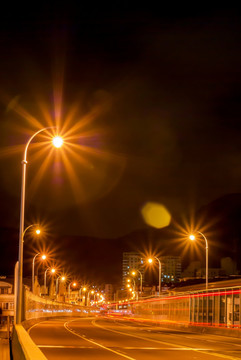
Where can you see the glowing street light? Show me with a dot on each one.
(57, 141)
(133, 273)
(21, 226)
(43, 257)
(38, 231)
(71, 284)
(62, 278)
(45, 276)
(150, 260)
(192, 237)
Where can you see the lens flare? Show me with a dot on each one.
(156, 215)
(57, 141)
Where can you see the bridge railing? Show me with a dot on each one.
(218, 307)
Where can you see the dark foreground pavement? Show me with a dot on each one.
(4, 349)
(100, 338)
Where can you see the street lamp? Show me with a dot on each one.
(56, 143)
(74, 285)
(133, 273)
(57, 282)
(192, 237)
(43, 257)
(150, 260)
(45, 276)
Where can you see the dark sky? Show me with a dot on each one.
(157, 92)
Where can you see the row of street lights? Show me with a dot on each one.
(151, 260)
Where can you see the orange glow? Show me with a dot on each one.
(150, 261)
(44, 257)
(192, 237)
(38, 231)
(57, 141)
(156, 215)
(53, 270)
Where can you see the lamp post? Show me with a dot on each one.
(192, 237)
(43, 258)
(45, 278)
(57, 282)
(160, 271)
(133, 285)
(84, 291)
(74, 284)
(56, 143)
(134, 273)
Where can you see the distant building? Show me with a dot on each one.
(191, 270)
(109, 292)
(131, 261)
(229, 266)
(171, 268)
(6, 302)
(212, 272)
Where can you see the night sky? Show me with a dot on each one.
(151, 95)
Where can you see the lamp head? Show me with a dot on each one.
(38, 231)
(150, 261)
(57, 141)
(63, 278)
(192, 237)
(43, 257)
(53, 270)
(74, 284)
(133, 273)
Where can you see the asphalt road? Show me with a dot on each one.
(101, 338)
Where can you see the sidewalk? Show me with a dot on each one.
(4, 349)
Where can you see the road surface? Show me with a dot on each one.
(104, 339)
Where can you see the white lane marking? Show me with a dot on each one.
(135, 336)
(203, 351)
(58, 320)
(125, 347)
(65, 346)
(94, 342)
(40, 322)
(161, 349)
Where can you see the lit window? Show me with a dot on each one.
(5, 306)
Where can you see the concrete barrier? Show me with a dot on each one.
(23, 347)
